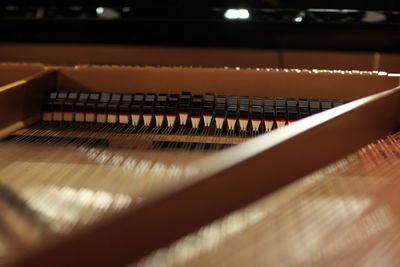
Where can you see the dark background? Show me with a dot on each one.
(272, 23)
(340, 4)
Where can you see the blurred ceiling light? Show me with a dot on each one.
(237, 14)
(100, 10)
(298, 19)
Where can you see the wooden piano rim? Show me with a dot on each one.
(19, 103)
(235, 181)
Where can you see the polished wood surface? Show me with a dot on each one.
(72, 54)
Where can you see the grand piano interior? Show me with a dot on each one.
(221, 133)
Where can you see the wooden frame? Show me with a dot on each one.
(72, 54)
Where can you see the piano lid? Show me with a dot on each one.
(366, 25)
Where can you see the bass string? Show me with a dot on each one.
(32, 132)
(86, 143)
(146, 174)
(216, 135)
(184, 137)
(22, 142)
(161, 166)
(35, 171)
(171, 144)
(30, 169)
(94, 132)
(137, 161)
(363, 163)
(57, 151)
(141, 146)
(167, 157)
(129, 130)
(101, 157)
(141, 171)
(77, 181)
(38, 152)
(201, 145)
(379, 156)
(184, 152)
(153, 131)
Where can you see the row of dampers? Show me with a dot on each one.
(169, 109)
